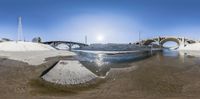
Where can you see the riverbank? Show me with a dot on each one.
(34, 58)
(190, 47)
(157, 77)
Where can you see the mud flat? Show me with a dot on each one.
(157, 77)
(17, 77)
(69, 72)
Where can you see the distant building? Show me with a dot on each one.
(37, 40)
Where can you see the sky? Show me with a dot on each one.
(102, 21)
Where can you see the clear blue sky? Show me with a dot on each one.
(117, 21)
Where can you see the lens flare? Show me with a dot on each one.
(100, 38)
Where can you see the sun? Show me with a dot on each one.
(100, 38)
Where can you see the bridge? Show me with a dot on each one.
(181, 41)
(68, 43)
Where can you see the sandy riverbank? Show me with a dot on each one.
(33, 57)
(157, 77)
(29, 52)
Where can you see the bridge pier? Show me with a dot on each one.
(159, 42)
(183, 41)
(53, 44)
(70, 46)
(81, 46)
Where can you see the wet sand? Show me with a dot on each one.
(157, 77)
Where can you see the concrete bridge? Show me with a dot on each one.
(162, 40)
(68, 43)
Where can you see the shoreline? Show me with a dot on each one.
(34, 57)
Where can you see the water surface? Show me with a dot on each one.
(101, 62)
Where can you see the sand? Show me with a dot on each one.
(14, 46)
(34, 57)
(69, 72)
(29, 52)
(190, 47)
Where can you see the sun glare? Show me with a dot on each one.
(100, 38)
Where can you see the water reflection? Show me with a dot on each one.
(181, 53)
(166, 73)
(179, 56)
(100, 63)
(170, 53)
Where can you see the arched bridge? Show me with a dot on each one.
(68, 43)
(161, 40)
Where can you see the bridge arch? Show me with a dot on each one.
(62, 46)
(148, 42)
(68, 43)
(165, 40)
(160, 41)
